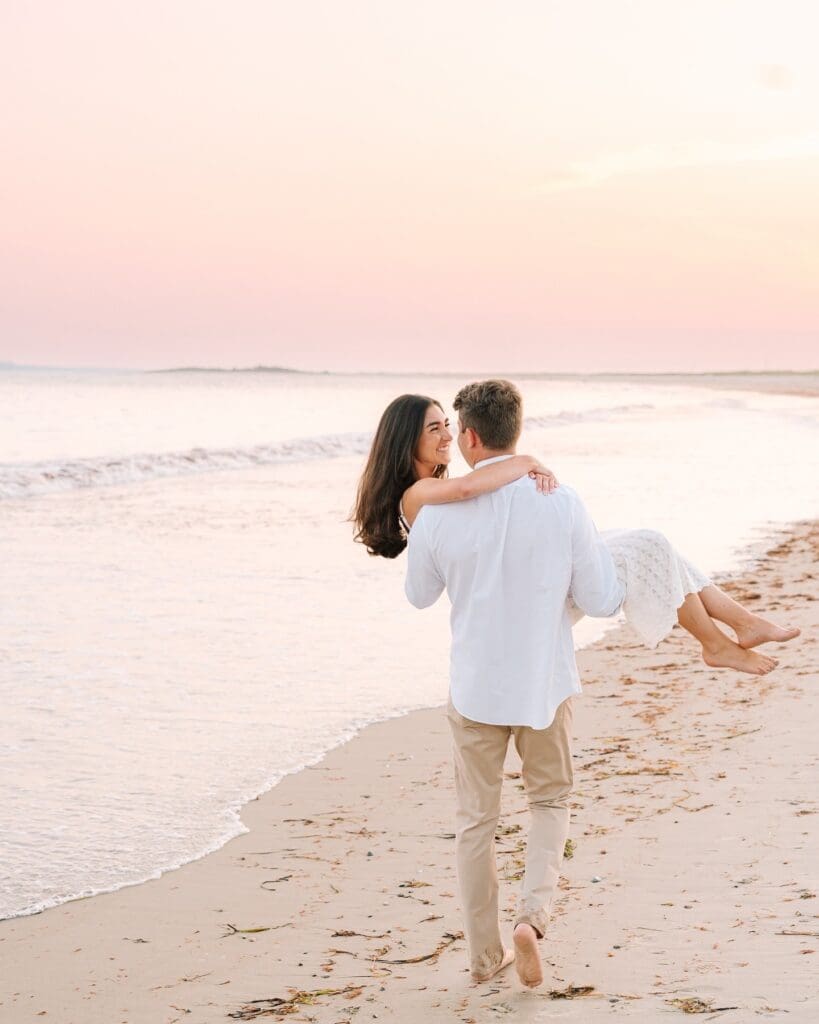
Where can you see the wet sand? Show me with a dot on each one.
(692, 883)
(804, 384)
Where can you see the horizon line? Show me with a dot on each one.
(264, 368)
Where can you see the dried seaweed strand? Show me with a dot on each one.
(278, 1007)
(449, 938)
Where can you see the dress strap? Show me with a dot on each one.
(402, 519)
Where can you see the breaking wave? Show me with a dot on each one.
(25, 480)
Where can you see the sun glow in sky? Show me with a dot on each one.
(526, 185)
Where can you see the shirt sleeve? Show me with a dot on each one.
(424, 583)
(595, 586)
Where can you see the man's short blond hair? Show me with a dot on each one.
(494, 410)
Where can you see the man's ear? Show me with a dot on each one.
(472, 439)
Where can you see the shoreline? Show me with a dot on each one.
(351, 734)
(748, 555)
(358, 845)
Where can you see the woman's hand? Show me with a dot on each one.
(545, 480)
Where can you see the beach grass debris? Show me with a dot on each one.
(233, 930)
(274, 881)
(651, 769)
(571, 992)
(413, 883)
(279, 1007)
(448, 939)
(507, 830)
(693, 1004)
(412, 896)
(740, 732)
(681, 803)
(427, 835)
(568, 849)
(346, 933)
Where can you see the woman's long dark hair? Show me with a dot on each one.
(388, 473)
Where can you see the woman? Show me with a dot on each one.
(407, 469)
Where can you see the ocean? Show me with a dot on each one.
(186, 620)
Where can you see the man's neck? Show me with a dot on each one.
(487, 454)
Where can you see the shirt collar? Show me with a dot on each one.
(495, 458)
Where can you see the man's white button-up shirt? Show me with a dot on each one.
(508, 560)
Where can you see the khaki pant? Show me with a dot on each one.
(479, 753)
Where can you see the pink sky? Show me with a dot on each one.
(439, 185)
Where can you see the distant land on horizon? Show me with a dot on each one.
(522, 374)
(455, 373)
(236, 369)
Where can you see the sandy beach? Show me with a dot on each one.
(691, 886)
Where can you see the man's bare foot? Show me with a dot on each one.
(730, 655)
(758, 631)
(527, 956)
(508, 957)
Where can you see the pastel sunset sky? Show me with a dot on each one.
(367, 184)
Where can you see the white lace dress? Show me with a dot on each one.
(657, 579)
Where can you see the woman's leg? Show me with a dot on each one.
(751, 630)
(718, 650)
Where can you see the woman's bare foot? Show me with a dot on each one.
(527, 956)
(758, 631)
(731, 655)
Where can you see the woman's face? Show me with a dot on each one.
(433, 445)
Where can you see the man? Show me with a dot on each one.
(509, 560)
